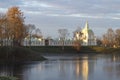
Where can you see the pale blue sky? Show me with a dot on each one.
(51, 15)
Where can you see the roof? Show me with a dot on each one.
(90, 32)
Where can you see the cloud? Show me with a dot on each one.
(82, 8)
(76, 8)
(69, 13)
(3, 10)
(66, 6)
(9, 3)
(35, 4)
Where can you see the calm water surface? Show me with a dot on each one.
(77, 67)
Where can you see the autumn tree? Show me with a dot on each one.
(117, 37)
(16, 25)
(109, 38)
(105, 41)
(63, 34)
(12, 28)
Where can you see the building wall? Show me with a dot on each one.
(36, 42)
(50, 43)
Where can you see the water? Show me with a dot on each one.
(78, 67)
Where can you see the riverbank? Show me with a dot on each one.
(7, 78)
(19, 54)
(72, 50)
(33, 53)
(100, 49)
(112, 50)
(67, 49)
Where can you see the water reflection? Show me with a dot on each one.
(81, 67)
(5, 71)
(85, 67)
(112, 68)
(85, 70)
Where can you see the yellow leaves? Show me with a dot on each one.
(14, 15)
(12, 25)
(16, 20)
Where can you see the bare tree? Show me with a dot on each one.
(3, 29)
(99, 41)
(38, 33)
(105, 41)
(109, 38)
(77, 34)
(117, 37)
(63, 34)
(31, 29)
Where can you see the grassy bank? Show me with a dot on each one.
(67, 49)
(71, 49)
(92, 49)
(18, 54)
(34, 52)
(111, 50)
(7, 78)
(53, 49)
(98, 49)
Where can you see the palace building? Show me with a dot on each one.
(86, 35)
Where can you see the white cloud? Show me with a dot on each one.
(32, 12)
(3, 10)
(35, 4)
(100, 16)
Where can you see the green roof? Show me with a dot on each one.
(90, 31)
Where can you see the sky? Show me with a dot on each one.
(51, 15)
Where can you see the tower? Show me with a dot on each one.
(87, 26)
(85, 32)
(87, 37)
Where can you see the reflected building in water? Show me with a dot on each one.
(71, 69)
(84, 68)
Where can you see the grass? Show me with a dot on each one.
(112, 50)
(99, 49)
(19, 54)
(67, 49)
(7, 78)
(53, 49)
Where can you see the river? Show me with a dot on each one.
(68, 67)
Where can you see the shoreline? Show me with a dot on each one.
(37, 53)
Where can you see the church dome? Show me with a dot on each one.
(90, 32)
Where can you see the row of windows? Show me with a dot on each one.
(50, 43)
